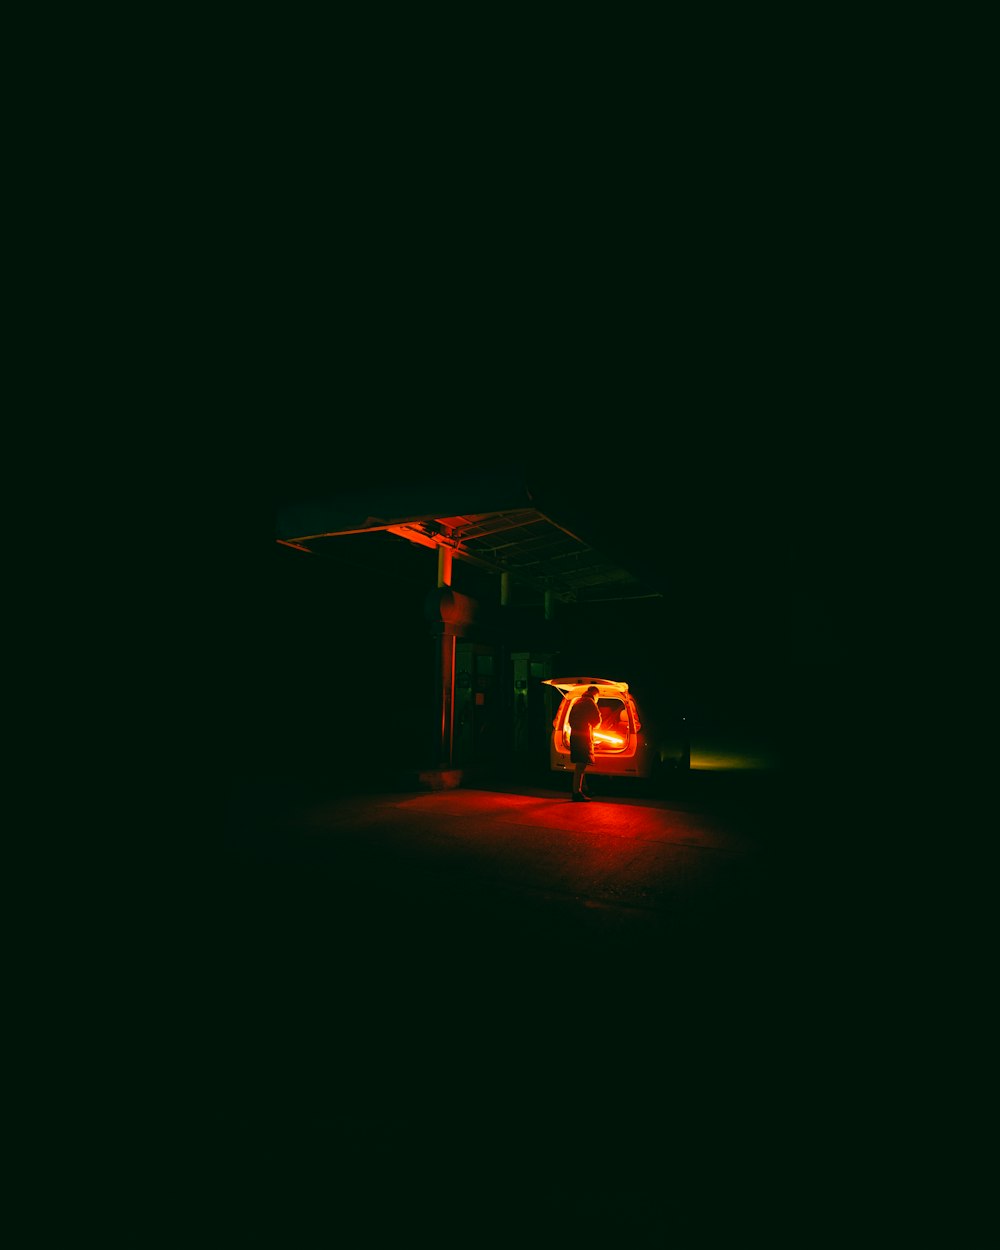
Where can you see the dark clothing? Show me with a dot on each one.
(583, 720)
(581, 749)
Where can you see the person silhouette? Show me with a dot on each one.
(584, 718)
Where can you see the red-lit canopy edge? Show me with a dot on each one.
(492, 519)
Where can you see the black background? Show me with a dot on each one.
(709, 275)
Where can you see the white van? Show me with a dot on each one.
(624, 744)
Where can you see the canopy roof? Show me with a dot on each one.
(493, 520)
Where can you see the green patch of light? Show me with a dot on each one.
(718, 758)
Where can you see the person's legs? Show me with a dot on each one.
(578, 772)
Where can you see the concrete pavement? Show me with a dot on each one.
(495, 952)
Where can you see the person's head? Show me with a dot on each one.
(592, 692)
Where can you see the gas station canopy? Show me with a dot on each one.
(493, 520)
